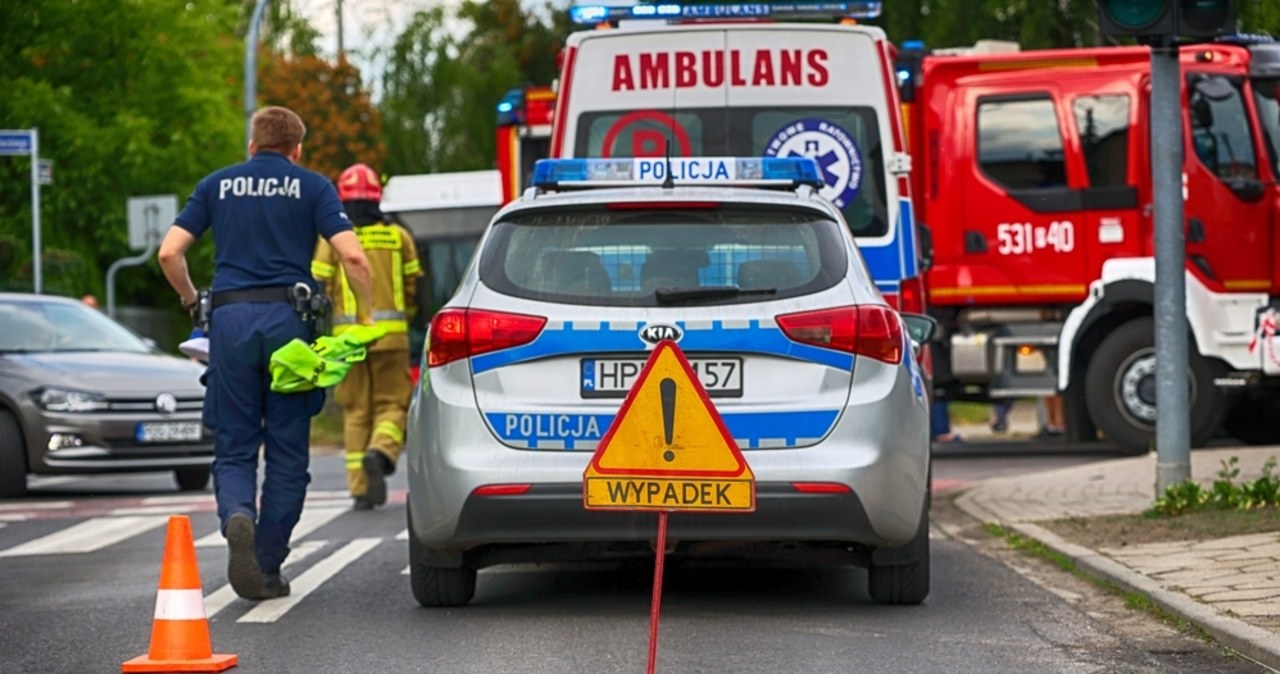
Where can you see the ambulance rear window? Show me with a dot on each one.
(660, 257)
(844, 140)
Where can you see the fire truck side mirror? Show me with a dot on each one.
(922, 329)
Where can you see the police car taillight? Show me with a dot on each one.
(463, 333)
(870, 330)
(591, 15)
(729, 171)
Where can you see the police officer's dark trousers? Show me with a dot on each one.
(245, 415)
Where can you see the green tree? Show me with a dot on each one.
(343, 126)
(131, 98)
(439, 90)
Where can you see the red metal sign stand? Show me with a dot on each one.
(657, 590)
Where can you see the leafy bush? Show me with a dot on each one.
(1224, 493)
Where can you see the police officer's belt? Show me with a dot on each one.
(271, 294)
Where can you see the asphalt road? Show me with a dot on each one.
(80, 560)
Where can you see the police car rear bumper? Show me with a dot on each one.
(549, 520)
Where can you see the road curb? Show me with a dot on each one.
(1248, 640)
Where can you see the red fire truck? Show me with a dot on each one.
(524, 135)
(1031, 171)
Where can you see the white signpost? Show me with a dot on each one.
(17, 143)
(149, 218)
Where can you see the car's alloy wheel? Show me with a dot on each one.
(13, 457)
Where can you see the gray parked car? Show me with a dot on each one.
(81, 393)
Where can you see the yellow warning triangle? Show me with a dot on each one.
(667, 427)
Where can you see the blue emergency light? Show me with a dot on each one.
(596, 14)
(630, 172)
(511, 106)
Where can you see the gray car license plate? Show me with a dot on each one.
(169, 431)
(613, 377)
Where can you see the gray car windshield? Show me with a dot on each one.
(663, 256)
(43, 327)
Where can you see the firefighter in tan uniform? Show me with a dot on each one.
(375, 394)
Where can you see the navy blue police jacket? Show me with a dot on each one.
(265, 214)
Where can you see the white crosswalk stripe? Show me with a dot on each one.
(223, 596)
(312, 578)
(312, 519)
(87, 536)
(36, 505)
(154, 510)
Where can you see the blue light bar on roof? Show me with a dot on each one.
(596, 14)
(739, 171)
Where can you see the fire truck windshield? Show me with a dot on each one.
(1266, 93)
(848, 149)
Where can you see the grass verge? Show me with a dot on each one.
(1135, 600)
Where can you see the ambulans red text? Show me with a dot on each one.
(715, 68)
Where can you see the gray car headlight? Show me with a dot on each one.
(63, 400)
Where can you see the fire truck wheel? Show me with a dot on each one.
(1253, 422)
(1120, 390)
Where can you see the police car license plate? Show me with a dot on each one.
(169, 431)
(613, 377)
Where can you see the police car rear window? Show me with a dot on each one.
(663, 257)
(844, 140)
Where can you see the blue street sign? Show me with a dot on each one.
(15, 142)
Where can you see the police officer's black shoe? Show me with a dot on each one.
(362, 503)
(376, 470)
(242, 564)
(274, 585)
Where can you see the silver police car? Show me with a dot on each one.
(759, 282)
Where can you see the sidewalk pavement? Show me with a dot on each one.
(1229, 587)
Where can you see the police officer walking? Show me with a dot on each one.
(375, 394)
(265, 215)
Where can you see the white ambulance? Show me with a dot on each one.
(738, 80)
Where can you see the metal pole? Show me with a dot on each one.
(341, 46)
(142, 258)
(37, 270)
(251, 71)
(1173, 428)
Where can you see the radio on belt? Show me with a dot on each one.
(618, 172)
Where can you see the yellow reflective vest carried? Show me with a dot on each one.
(393, 258)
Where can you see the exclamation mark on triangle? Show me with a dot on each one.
(667, 390)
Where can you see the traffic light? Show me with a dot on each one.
(1166, 18)
(1206, 18)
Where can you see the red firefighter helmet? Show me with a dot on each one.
(359, 181)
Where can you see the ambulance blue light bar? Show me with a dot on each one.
(631, 172)
(596, 14)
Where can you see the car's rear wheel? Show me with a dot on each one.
(898, 581)
(192, 478)
(13, 457)
(436, 586)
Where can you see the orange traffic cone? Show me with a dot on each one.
(180, 632)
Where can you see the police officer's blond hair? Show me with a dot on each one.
(277, 129)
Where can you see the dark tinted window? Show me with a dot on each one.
(1103, 125)
(844, 141)
(1220, 127)
(1020, 144)
(1266, 92)
(645, 257)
